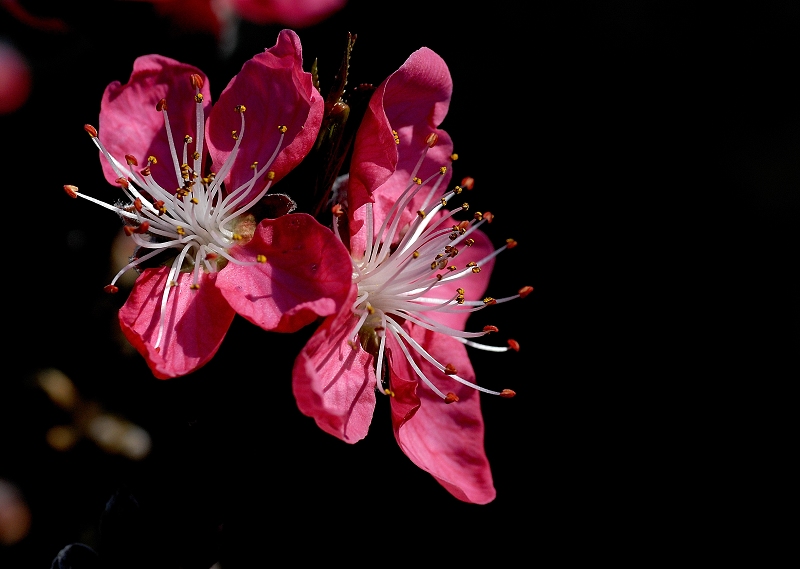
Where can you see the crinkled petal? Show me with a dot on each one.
(334, 383)
(275, 92)
(413, 101)
(195, 325)
(130, 124)
(293, 13)
(308, 274)
(446, 440)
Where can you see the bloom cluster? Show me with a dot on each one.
(389, 276)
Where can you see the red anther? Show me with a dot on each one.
(463, 225)
(507, 393)
(337, 210)
(91, 130)
(197, 81)
(513, 344)
(111, 289)
(144, 227)
(161, 105)
(491, 329)
(450, 369)
(131, 160)
(72, 191)
(488, 216)
(211, 256)
(525, 291)
(128, 230)
(468, 183)
(451, 398)
(122, 182)
(137, 204)
(432, 139)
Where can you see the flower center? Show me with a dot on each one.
(404, 271)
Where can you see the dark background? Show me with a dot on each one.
(644, 156)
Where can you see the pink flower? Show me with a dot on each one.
(15, 78)
(218, 16)
(417, 276)
(203, 257)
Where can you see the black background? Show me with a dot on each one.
(645, 157)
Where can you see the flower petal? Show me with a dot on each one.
(292, 13)
(308, 274)
(275, 92)
(334, 383)
(413, 101)
(196, 322)
(443, 439)
(130, 124)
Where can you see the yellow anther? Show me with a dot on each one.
(240, 108)
(194, 201)
(196, 155)
(444, 201)
(261, 258)
(443, 170)
(415, 254)
(152, 160)
(270, 175)
(282, 129)
(234, 135)
(389, 392)
(465, 206)
(254, 165)
(476, 270)
(180, 230)
(396, 137)
(236, 237)
(194, 286)
(370, 309)
(187, 139)
(489, 300)
(457, 190)
(172, 283)
(198, 98)
(418, 181)
(421, 213)
(460, 290)
(454, 156)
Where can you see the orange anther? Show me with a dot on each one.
(510, 243)
(488, 216)
(491, 329)
(507, 393)
(432, 139)
(197, 81)
(161, 105)
(143, 228)
(91, 130)
(111, 289)
(468, 183)
(122, 182)
(450, 369)
(525, 291)
(72, 191)
(513, 344)
(451, 398)
(337, 210)
(128, 230)
(131, 160)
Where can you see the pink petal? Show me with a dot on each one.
(130, 124)
(292, 13)
(308, 274)
(334, 383)
(413, 101)
(275, 92)
(16, 79)
(446, 440)
(196, 322)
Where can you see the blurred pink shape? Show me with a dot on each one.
(15, 78)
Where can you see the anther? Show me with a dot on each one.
(72, 191)
(110, 289)
(507, 394)
(488, 301)
(488, 216)
(122, 182)
(525, 291)
(490, 328)
(261, 258)
(152, 159)
(197, 81)
(187, 139)
(240, 108)
(194, 286)
(450, 369)
(234, 135)
(180, 230)
(513, 344)
(451, 398)
(510, 243)
(421, 213)
(432, 139)
(283, 129)
(468, 183)
(91, 130)
(337, 210)
(131, 160)
(396, 137)
(161, 105)
(454, 157)
(417, 181)
(198, 98)
(270, 175)
(144, 227)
